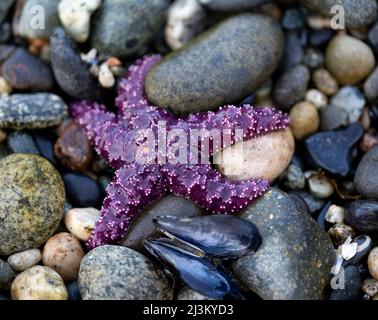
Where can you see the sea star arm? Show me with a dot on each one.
(212, 191)
(133, 187)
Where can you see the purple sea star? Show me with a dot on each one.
(117, 137)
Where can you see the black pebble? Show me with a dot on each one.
(73, 291)
(363, 216)
(352, 285)
(45, 144)
(82, 191)
(332, 150)
(321, 37)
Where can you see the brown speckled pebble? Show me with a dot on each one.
(39, 283)
(31, 202)
(373, 263)
(119, 273)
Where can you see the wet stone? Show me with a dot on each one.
(373, 263)
(331, 150)
(291, 87)
(332, 118)
(70, 72)
(363, 216)
(31, 204)
(143, 227)
(21, 142)
(321, 37)
(298, 250)
(119, 273)
(352, 284)
(124, 28)
(366, 179)
(73, 291)
(226, 5)
(313, 204)
(24, 260)
(293, 19)
(339, 233)
(6, 275)
(371, 86)
(23, 71)
(210, 73)
(4, 8)
(325, 82)
(31, 111)
(293, 177)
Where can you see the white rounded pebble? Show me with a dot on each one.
(105, 76)
(320, 186)
(75, 16)
(24, 260)
(318, 98)
(335, 214)
(81, 222)
(185, 20)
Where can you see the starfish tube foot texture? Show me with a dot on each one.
(137, 184)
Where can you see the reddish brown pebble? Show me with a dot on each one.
(368, 142)
(73, 148)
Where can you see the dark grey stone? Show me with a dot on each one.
(351, 285)
(332, 118)
(125, 28)
(31, 111)
(296, 256)
(366, 178)
(371, 86)
(21, 142)
(4, 8)
(6, 275)
(221, 66)
(234, 5)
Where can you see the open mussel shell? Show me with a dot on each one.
(222, 236)
(197, 273)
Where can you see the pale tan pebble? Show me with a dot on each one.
(304, 119)
(317, 22)
(24, 260)
(268, 101)
(335, 214)
(5, 88)
(81, 222)
(320, 186)
(189, 294)
(373, 263)
(45, 54)
(185, 20)
(265, 90)
(316, 97)
(76, 16)
(265, 157)
(3, 136)
(39, 283)
(325, 82)
(370, 287)
(105, 76)
(63, 253)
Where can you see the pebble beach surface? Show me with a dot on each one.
(81, 219)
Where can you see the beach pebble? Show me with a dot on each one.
(5, 5)
(124, 28)
(332, 118)
(358, 13)
(350, 288)
(24, 260)
(265, 157)
(70, 71)
(3, 136)
(293, 177)
(325, 82)
(31, 203)
(313, 58)
(23, 71)
(212, 64)
(317, 98)
(365, 179)
(73, 148)
(63, 253)
(185, 20)
(304, 119)
(39, 283)
(350, 99)
(73, 291)
(320, 186)
(36, 19)
(371, 85)
(363, 216)
(339, 233)
(335, 214)
(349, 60)
(368, 142)
(225, 5)
(120, 273)
(81, 221)
(291, 87)
(188, 294)
(105, 76)
(331, 150)
(82, 191)
(373, 263)
(143, 227)
(370, 287)
(289, 254)
(364, 244)
(75, 17)
(21, 142)
(5, 87)
(6, 275)
(31, 111)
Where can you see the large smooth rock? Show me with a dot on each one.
(119, 273)
(31, 202)
(366, 178)
(124, 28)
(296, 256)
(143, 228)
(221, 66)
(358, 13)
(31, 111)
